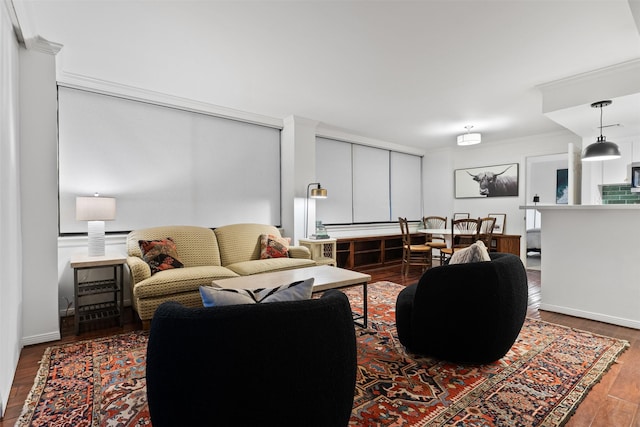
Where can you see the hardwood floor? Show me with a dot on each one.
(614, 402)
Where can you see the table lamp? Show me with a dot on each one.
(96, 210)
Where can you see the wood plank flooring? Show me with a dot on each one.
(614, 402)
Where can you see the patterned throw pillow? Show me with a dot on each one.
(474, 253)
(213, 296)
(273, 246)
(160, 254)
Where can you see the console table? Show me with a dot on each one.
(506, 243)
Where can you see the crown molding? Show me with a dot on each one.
(40, 44)
(604, 83)
(105, 87)
(15, 22)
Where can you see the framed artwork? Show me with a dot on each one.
(486, 181)
(562, 183)
(501, 221)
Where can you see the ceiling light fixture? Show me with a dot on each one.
(469, 138)
(601, 149)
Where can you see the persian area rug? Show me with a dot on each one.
(540, 382)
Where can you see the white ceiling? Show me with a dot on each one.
(412, 73)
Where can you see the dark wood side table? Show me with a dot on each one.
(98, 299)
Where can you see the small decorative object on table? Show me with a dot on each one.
(321, 231)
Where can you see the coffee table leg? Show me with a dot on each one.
(365, 300)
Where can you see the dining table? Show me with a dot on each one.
(439, 232)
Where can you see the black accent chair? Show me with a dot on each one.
(465, 313)
(272, 364)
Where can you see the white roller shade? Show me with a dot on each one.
(164, 166)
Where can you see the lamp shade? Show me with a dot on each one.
(318, 193)
(469, 139)
(601, 150)
(95, 208)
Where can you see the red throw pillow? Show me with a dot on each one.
(273, 247)
(160, 254)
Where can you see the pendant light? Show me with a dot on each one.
(469, 138)
(601, 149)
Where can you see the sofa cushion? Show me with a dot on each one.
(160, 254)
(266, 265)
(474, 253)
(213, 296)
(241, 242)
(196, 245)
(273, 246)
(187, 279)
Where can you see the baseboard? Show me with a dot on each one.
(37, 339)
(600, 317)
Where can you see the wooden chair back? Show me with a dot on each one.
(435, 221)
(464, 232)
(486, 230)
(404, 230)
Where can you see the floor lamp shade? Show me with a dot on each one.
(96, 210)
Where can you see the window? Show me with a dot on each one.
(164, 165)
(367, 184)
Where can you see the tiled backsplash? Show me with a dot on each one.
(619, 194)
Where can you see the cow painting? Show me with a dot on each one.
(491, 182)
(496, 185)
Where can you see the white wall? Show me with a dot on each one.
(440, 166)
(39, 194)
(10, 250)
(541, 181)
(591, 283)
(615, 171)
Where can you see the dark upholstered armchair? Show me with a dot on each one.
(465, 313)
(272, 364)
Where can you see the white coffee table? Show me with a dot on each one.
(325, 278)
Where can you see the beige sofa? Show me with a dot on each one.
(228, 251)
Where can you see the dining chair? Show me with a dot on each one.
(486, 231)
(436, 241)
(412, 254)
(464, 232)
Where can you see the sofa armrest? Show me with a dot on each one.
(139, 270)
(299, 252)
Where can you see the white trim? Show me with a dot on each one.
(631, 65)
(583, 207)
(365, 230)
(91, 84)
(40, 44)
(40, 338)
(81, 240)
(629, 323)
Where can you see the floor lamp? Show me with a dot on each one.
(313, 193)
(96, 210)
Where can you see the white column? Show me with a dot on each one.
(39, 192)
(298, 169)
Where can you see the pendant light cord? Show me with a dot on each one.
(601, 122)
